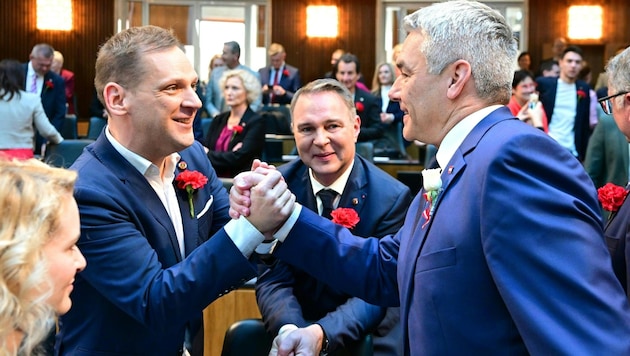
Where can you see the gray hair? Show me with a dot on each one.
(42, 50)
(326, 86)
(618, 69)
(473, 32)
(250, 82)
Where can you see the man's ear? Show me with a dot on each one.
(357, 128)
(114, 97)
(460, 74)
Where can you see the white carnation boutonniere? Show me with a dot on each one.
(432, 184)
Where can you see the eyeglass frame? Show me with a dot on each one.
(606, 104)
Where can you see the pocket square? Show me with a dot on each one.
(206, 207)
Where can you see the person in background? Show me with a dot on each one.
(395, 52)
(326, 127)
(524, 103)
(550, 69)
(215, 61)
(585, 74)
(617, 104)
(40, 80)
(39, 228)
(524, 61)
(334, 58)
(236, 137)
(68, 79)
(20, 111)
(567, 104)
(503, 251)
(279, 80)
(383, 79)
(215, 103)
(368, 108)
(557, 52)
(155, 228)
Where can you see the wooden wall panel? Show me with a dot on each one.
(357, 34)
(549, 19)
(93, 24)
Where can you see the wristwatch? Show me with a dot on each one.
(325, 343)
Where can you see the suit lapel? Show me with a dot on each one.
(354, 194)
(138, 187)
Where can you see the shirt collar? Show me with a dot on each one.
(338, 185)
(458, 133)
(143, 165)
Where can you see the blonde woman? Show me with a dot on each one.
(39, 228)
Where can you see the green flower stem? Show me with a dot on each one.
(190, 191)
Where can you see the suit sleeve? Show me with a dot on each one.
(59, 93)
(594, 162)
(372, 128)
(536, 250)
(69, 88)
(210, 93)
(274, 294)
(126, 270)
(253, 139)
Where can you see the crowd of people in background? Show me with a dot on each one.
(432, 275)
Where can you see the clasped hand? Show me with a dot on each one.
(262, 196)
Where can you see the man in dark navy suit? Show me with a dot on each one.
(326, 127)
(279, 80)
(40, 79)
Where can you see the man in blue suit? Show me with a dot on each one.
(567, 103)
(279, 81)
(326, 127)
(51, 87)
(504, 253)
(152, 210)
(617, 104)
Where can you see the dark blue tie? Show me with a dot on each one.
(328, 197)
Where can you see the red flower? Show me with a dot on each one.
(191, 180)
(49, 84)
(285, 72)
(346, 217)
(360, 106)
(237, 129)
(611, 196)
(581, 94)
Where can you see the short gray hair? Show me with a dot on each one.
(618, 69)
(473, 32)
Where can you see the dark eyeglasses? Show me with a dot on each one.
(607, 104)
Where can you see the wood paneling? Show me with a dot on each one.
(357, 34)
(93, 24)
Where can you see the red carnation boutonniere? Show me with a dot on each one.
(360, 107)
(237, 130)
(611, 196)
(285, 73)
(49, 84)
(581, 94)
(191, 181)
(346, 217)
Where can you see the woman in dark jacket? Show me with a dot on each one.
(237, 136)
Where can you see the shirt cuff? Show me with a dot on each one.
(244, 235)
(282, 233)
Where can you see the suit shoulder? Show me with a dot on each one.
(380, 178)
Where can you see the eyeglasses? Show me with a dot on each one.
(607, 104)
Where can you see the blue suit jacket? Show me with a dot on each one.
(290, 83)
(288, 295)
(137, 295)
(512, 262)
(547, 87)
(53, 100)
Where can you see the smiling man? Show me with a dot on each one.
(509, 258)
(153, 267)
(326, 126)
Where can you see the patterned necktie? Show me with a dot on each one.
(33, 88)
(328, 197)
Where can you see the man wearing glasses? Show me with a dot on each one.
(617, 104)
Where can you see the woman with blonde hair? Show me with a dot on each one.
(236, 137)
(39, 228)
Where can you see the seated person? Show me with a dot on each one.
(279, 80)
(326, 128)
(236, 137)
(38, 256)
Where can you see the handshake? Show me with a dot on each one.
(262, 197)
